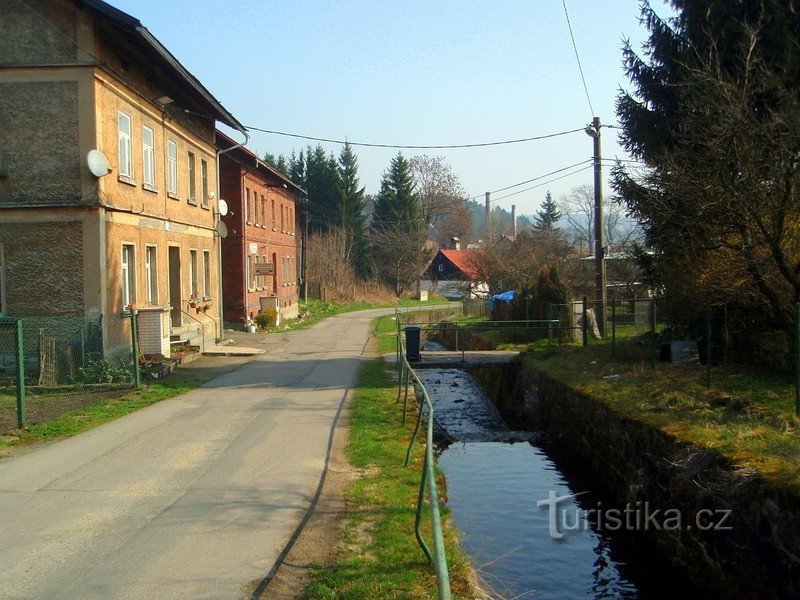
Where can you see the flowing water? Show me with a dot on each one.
(496, 479)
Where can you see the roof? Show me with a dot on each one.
(464, 261)
(246, 157)
(145, 41)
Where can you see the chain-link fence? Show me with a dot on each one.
(53, 365)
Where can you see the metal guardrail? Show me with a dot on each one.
(437, 558)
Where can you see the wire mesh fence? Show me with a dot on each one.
(53, 365)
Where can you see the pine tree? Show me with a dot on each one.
(548, 215)
(350, 200)
(397, 204)
(713, 114)
(321, 180)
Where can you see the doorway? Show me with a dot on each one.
(175, 297)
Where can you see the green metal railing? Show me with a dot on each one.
(437, 558)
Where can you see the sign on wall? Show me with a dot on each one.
(265, 269)
(253, 248)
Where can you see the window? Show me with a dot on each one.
(206, 274)
(172, 167)
(204, 181)
(263, 211)
(151, 272)
(283, 224)
(193, 272)
(274, 220)
(125, 155)
(148, 158)
(128, 275)
(192, 182)
(248, 208)
(249, 273)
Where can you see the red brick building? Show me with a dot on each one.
(260, 258)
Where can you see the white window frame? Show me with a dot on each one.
(148, 157)
(206, 273)
(204, 183)
(193, 287)
(191, 170)
(151, 273)
(124, 146)
(172, 167)
(128, 270)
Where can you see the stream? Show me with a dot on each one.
(496, 478)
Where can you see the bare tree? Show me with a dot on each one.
(399, 256)
(328, 256)
(457, 223)
(578, 209)
(438, 189)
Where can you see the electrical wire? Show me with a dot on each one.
(544, 183)
(413, 146)
(577, 57)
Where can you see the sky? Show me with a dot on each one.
(414, 73)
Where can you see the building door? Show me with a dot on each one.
(175, 290)
(274, 274)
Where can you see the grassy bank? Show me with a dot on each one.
(747, 414)
(322, 309)
(381, 557)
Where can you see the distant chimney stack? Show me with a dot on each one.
(514, 220)
(455, 243)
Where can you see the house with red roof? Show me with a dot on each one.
(455, 273)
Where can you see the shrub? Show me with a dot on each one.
(104, 371)
(267, 319)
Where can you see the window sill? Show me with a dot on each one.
(205, 206)
(207, 298)
(127, 180)
(249, 222)
(273, 229)
(173, 196)
(192, 201)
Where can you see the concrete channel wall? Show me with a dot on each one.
(635, 462)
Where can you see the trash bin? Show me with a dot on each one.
(412, 343)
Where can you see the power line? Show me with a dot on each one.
(544, 183)
(577, 58)
(508, 187)
(412, 146)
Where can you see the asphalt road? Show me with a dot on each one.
(194, 497)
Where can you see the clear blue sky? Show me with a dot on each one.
(412, 72)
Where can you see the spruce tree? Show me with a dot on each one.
(321, 180)
(397, 204)
(548, 215)
(350, 199)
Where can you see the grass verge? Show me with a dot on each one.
(322, 309)
(103, 411)
(380, 557)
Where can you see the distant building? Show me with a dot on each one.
(260, 256)
(78, 240)
(454, 274)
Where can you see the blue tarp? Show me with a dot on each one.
(502, 297)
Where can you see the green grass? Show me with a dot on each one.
(380, 556)
(83, 419)
(322, 309)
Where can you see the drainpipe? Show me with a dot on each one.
(219, 250)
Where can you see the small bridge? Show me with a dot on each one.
(451, 359)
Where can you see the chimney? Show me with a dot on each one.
(488, 218)
(514, 220)
(455, 243)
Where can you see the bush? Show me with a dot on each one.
(104, 371)
(267, 319)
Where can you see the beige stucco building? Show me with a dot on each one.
(82, 76)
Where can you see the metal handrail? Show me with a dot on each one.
(437, 558)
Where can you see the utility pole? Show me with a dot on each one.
(488, 219)
(593, 131)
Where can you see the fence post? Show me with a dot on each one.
(21, 392)
(797, 359)
(653, 333)
(585, 324)
(708, 348)
(614, 327)
(137, 376)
